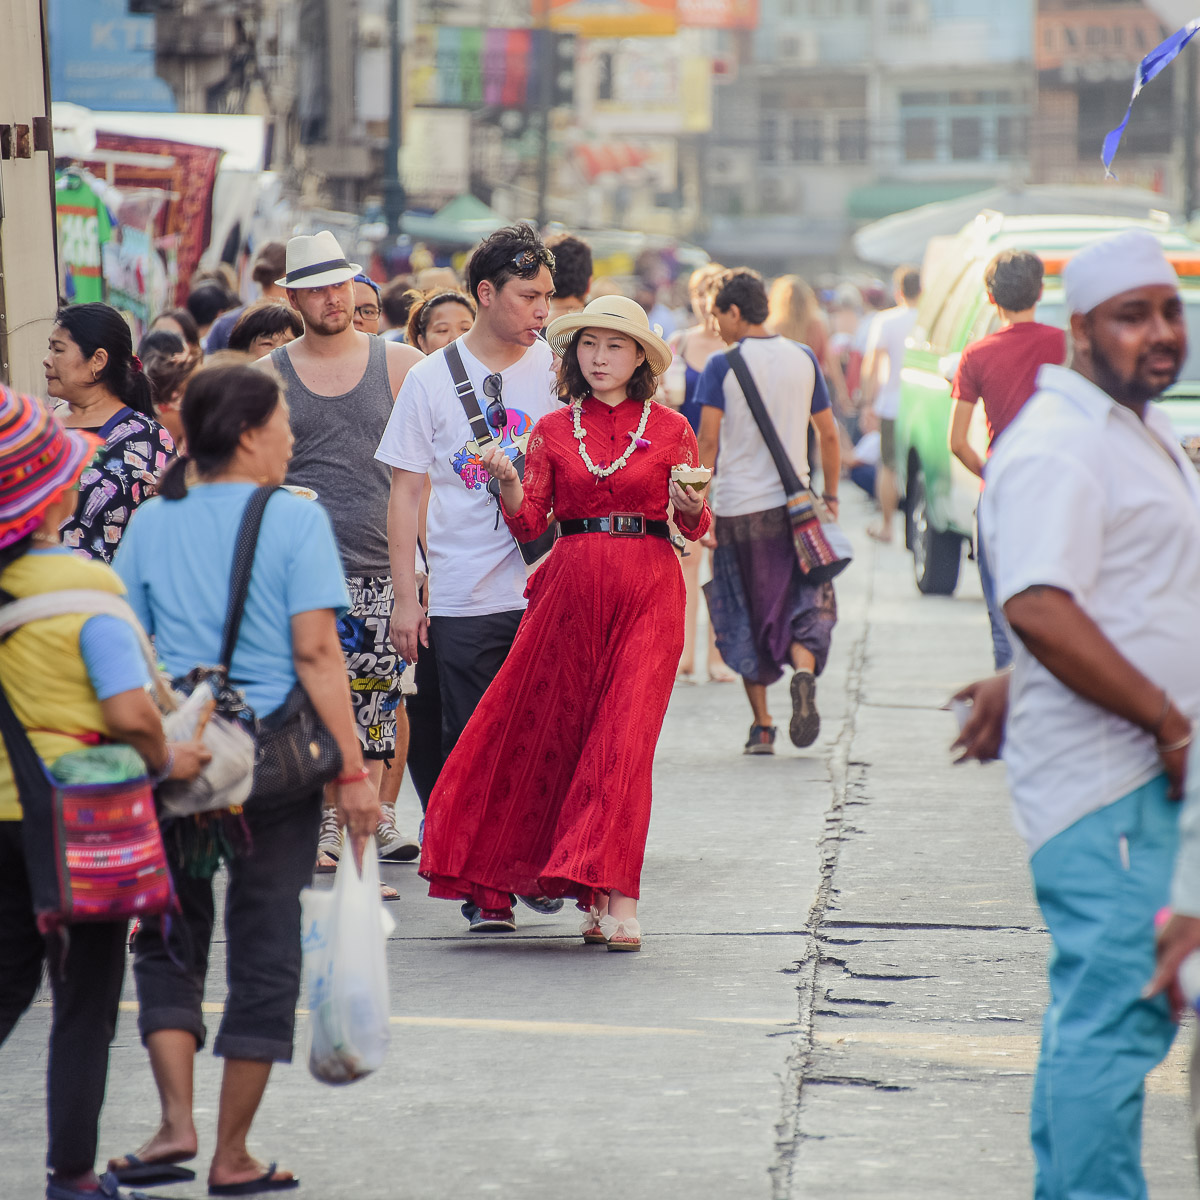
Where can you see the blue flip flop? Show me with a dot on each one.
(251, 1187)
(149, 1173)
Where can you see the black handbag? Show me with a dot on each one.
(531, 552)
(295, 752)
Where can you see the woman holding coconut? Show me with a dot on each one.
(548, 790)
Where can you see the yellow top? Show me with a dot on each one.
(41, 666)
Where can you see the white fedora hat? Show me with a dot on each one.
(316, 261)
(618, 313)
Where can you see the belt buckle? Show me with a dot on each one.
(626, 525)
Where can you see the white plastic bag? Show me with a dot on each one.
(344, 934)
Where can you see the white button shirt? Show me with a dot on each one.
(1083, 496)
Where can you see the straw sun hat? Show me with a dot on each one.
(618, 313)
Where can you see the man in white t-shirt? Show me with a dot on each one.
(1092, 520)
(881, 387)
(765, 613)
(476, 573)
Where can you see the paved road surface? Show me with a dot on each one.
(838, 997)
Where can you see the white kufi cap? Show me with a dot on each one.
(1116, 264)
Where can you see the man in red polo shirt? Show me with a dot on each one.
(1001, 370)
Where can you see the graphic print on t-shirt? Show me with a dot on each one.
(467, 462)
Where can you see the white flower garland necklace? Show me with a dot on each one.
(637, 441)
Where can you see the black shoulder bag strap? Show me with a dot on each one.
(531, 552)
(39, 821)
(783, 464)
(239, 578)
(465, 391)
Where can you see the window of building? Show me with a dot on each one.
(852, 139)
(806, 139)
(966, 138)
(920, 139)
(768, 138)
(964, 125)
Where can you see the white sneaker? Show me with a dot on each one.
(329, 842)
(393, 845)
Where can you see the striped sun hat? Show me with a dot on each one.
(39, 460)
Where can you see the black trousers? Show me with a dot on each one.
(86, 994)
(262, 936)
(470, 652)
(424, 710)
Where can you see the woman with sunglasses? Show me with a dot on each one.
(579, 703)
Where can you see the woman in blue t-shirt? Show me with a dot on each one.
(176, 560)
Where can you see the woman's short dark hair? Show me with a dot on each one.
(746, 289)
(495, 258)
(422, 310)
(572, 385)
(1014, 279)
(160, 341)
(265, 318)
(220, 404)
(100, 327)
(207, 302)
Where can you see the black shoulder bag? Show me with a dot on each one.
(531, 552)
(822, 549)
(296, 754)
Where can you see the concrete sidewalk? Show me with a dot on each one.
(838, 996)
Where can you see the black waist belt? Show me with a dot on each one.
(617, 525)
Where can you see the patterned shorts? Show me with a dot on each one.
(373, 666)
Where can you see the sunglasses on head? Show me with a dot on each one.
(529, 262)
(496, 414)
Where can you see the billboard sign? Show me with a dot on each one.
(609, 18)
(718, 14)
(102, 57)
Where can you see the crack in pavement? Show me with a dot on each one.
(788, 1134)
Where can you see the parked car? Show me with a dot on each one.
(939, 494)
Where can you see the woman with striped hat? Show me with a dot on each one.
(72, 681)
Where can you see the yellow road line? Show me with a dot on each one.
(502, 1025)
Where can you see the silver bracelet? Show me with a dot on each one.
(1171, 747)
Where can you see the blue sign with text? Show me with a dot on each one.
(102, 56)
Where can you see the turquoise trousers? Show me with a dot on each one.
(1099, 884)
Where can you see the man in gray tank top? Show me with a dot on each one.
(340, 385)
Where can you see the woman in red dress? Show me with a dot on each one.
(548, 790)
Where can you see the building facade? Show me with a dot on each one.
(859, 108)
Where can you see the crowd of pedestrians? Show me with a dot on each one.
(487, 507)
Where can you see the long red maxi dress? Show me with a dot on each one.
(548, 790)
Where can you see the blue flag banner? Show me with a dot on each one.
(1161, 56)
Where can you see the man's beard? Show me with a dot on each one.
(1133, 392)
(330, 325)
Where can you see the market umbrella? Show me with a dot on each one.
(902, 238)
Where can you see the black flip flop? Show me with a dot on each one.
(150, 1173)
(251, 1187)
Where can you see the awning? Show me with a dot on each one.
(462, 222)
(875, 200)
